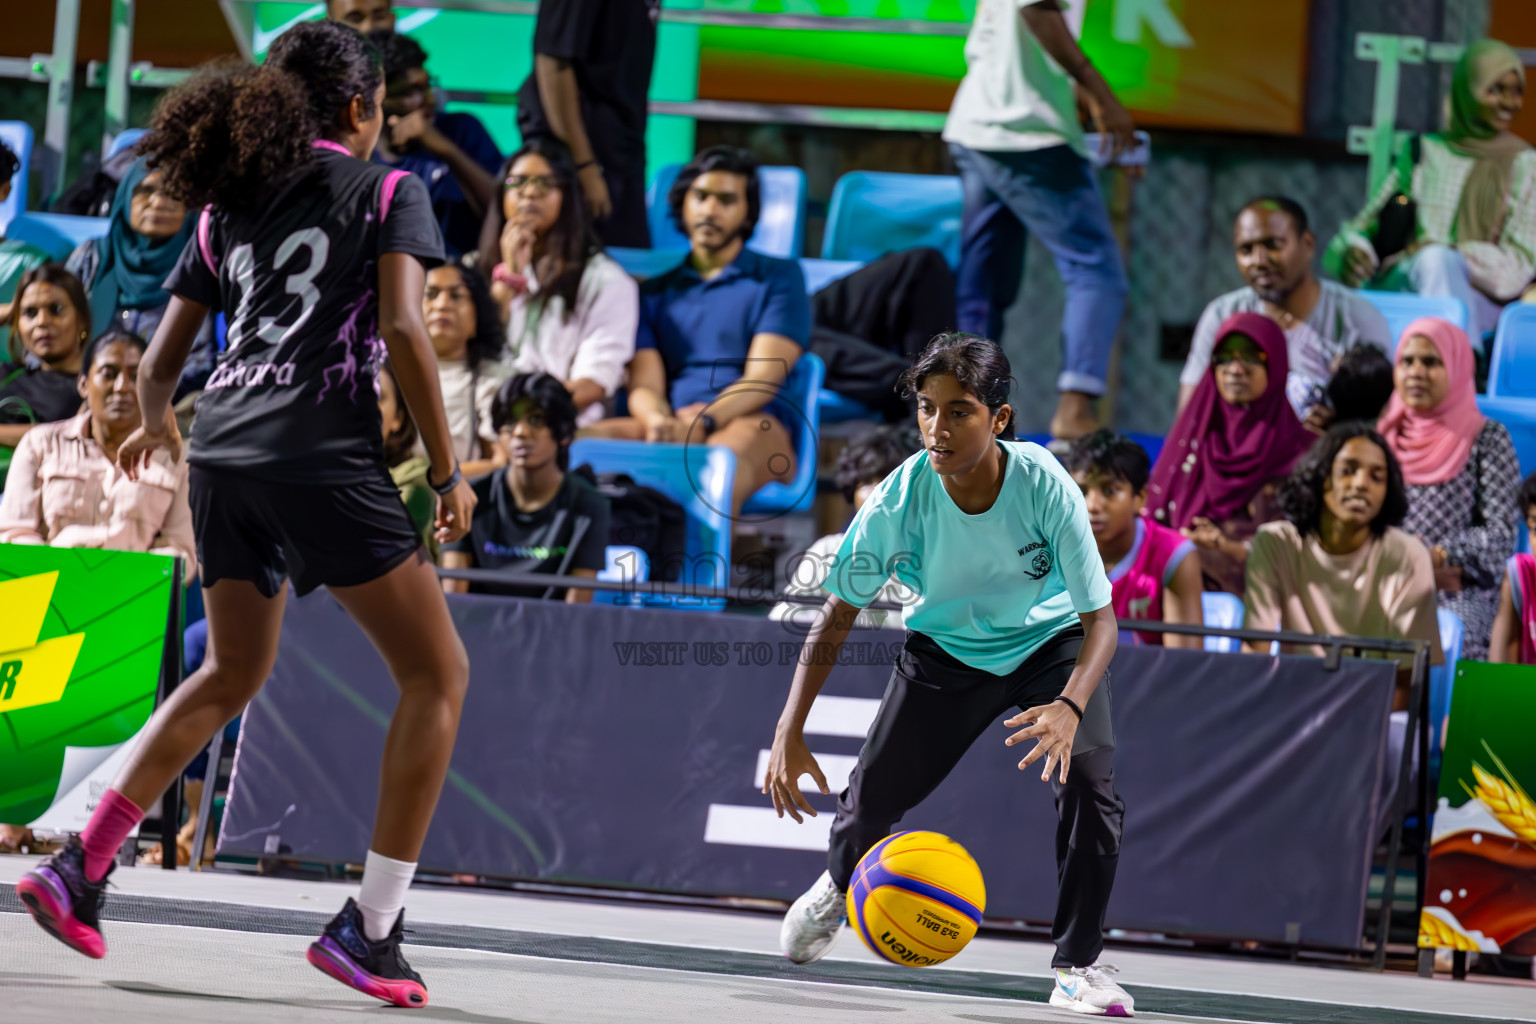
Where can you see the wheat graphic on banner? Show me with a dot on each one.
(32, 673)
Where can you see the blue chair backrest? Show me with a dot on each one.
(1224, 611)
(874, 213)
(780, 227)
(626, 564)
(1403, 308)
(125, 138)
(1519, 417)
(1512, 371)
(798, 407)
(57, 234)
(697, 477)
(17, 136)
(1442, 678)
(820, 273)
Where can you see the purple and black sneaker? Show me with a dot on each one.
(377, 969)
(68, 906)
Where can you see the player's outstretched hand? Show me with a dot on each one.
(1054, 725)
(454, 511)
(133, 454)
(790, 759)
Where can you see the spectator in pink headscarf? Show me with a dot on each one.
(1236, 439)
(1461, 470)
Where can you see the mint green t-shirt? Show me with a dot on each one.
(990, 588)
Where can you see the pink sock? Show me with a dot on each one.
(115, 817)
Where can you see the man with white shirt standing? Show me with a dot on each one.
(1013, 131)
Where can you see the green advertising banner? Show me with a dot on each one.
(82, 635)
(1481, 890)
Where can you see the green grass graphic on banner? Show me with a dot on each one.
(116, 604)
(1481, 890)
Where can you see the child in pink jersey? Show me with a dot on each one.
(1514, 627)
(1152, 573)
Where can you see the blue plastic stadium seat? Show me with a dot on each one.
(697, 477)
(798, 407)
(1224, 611)
(820, 273)
(1442, 678)
(1403, 308)
(125, 138)
(874, 213)
(644, 263)
(626, 564)
(780, 227)
(1519, 417)
(17, 135)
(1512, 370)
(57, 234)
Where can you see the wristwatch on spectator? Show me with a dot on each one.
(708, 423)
(446, 487)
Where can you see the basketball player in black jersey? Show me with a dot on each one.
(317, 258)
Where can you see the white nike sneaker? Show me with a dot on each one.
(1091, 990)
(812, 923)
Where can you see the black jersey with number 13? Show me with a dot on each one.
(293, 398)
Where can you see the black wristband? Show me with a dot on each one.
(455, 478)
(1069, 702)
(590, 163)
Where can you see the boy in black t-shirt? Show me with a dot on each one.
(532, 515)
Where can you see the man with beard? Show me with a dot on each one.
(1321, 319)
(718, 333)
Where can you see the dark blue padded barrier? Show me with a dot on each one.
(619, 747)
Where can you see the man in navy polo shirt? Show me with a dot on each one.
(452, 153)
(718, 333)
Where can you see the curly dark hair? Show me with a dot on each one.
(1111, 455)
(571, 241)
(978, 364)
(718, 158)
(1361, 384)
(874, 455)
(1301, 494)
(224, 135)
(550, 397)
(486, 344)
(1527, 497)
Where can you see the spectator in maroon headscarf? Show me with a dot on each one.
(1236, 439)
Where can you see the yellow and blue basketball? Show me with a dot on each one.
(916, 898)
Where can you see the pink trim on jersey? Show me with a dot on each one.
(388, 195)
(1522, 587)
(334, 147)
(204, 221)
(1138, 581)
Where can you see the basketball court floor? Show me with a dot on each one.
(226, 947)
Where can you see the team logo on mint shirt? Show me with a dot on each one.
(1040, 562)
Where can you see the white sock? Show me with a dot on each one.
(385, 881)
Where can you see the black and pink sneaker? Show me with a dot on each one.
(377, 969)
(68, 906)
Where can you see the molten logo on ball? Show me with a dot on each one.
(916, 898)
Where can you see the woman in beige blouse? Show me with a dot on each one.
(65, 489)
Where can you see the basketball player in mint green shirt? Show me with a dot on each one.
(1011, 609)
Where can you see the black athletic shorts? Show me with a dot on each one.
(323, 536)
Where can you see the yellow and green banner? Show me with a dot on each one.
(82, 642)
(1481, 890)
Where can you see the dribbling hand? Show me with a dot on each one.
(454, 512)
(1054, 725)
(790, 759)
(133, 454)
